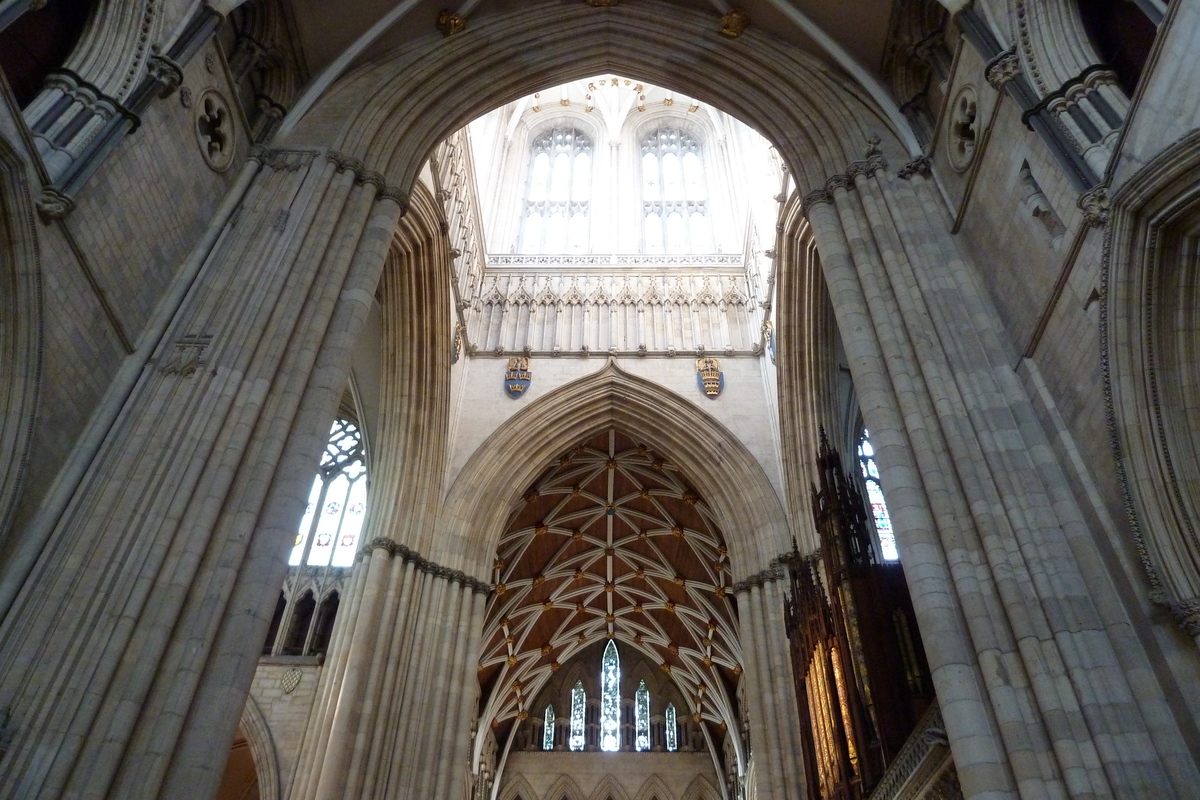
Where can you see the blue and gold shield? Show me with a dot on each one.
(518, 377)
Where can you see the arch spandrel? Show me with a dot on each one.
(435, 85)
(744, 502)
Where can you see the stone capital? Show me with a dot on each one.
(164, 71)
(1002, 69)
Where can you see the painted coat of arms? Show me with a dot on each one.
(709, 377)
(518, 376)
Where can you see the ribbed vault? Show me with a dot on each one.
(611, 542)
(738, 493)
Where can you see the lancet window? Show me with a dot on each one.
(610, 699)
(548, 729)
(671, 722)
(883, 522)
(674, 194)
(557, 208)
(578, 707)
(641, 701)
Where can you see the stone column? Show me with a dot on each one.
(1038, 702)
(177, 534)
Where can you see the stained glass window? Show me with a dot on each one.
(642, 717)
(578, 705)
(883, 522)
(674, 194)
(610, 699)
(548, 729)
(672, 742)
(558, 196)
(337, 504)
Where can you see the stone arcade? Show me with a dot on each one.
(855, 449)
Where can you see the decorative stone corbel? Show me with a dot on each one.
(918, 166)
(53, 204)
(165, 72)
(1096, 206)
(1002, 69)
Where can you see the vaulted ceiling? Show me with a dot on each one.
(611, 542)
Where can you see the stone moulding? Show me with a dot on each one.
(1144, 344)
(425, 565)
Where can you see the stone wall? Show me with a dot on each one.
(637, 776)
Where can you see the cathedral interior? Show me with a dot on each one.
(599, 399)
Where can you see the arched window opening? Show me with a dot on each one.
(557, 209)
(548, 729)
(642, 717)
(671, 722)
(297, 634)
(883, 522)
(610, 699)
(674, 194)
(329, 533)
(578, 706)
(323, 630)
(39, 42)
(276, 620)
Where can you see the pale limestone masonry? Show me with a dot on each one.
(1016, 325)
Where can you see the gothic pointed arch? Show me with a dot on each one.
(700, 789)
(565, 788)
(654, 789)
(741, 496)
(257, 731)
(609, 788)
(1151, 336)
(818, 122)
(20, 329)
(518, 788)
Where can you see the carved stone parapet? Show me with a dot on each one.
(918, 166)
(1096, 206)
(1002, 69)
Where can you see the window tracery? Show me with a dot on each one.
(329, 532)
(557, 208)
(674, 194)
(578, 706)
(610, 699)
(548, 728)
(879, 512)
(642, 717)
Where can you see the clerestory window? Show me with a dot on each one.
(578, 706)
(548, 729)
(337, 504)
(610, 699)
(557, 209)
(883, 522)
(671, 722)
(641, 702)
(674, 194)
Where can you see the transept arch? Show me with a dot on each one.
(1150, 338)
(818, 122)
(20, 328)
(743, 501)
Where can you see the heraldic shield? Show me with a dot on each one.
(709, 377)
(518, 376)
